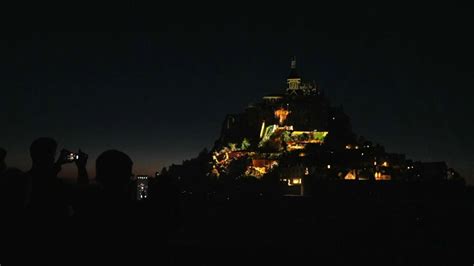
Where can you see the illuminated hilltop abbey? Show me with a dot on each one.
(296, 135)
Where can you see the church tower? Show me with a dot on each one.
(293, 79)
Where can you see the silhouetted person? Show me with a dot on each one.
(13, 191)
(13, 223)
(112, 197)
(3, 165)
(48, 204)
(113, 174)
(48, 197)
(108, 213)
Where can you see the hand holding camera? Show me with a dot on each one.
(81, 159)
(66, 156)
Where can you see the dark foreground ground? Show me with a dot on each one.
(345, 224)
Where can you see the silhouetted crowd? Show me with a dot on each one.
(41, 215)
(40, 211)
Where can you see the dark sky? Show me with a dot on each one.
(160, 92)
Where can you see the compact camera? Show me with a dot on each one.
(71, 156)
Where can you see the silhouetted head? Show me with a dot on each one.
(113, 168)
(3, 155)
(42, 152)
(14, 187)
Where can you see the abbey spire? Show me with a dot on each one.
(293, 79)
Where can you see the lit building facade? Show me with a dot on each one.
(268, 134)
(297, 137)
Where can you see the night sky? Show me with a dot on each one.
(160, 93)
